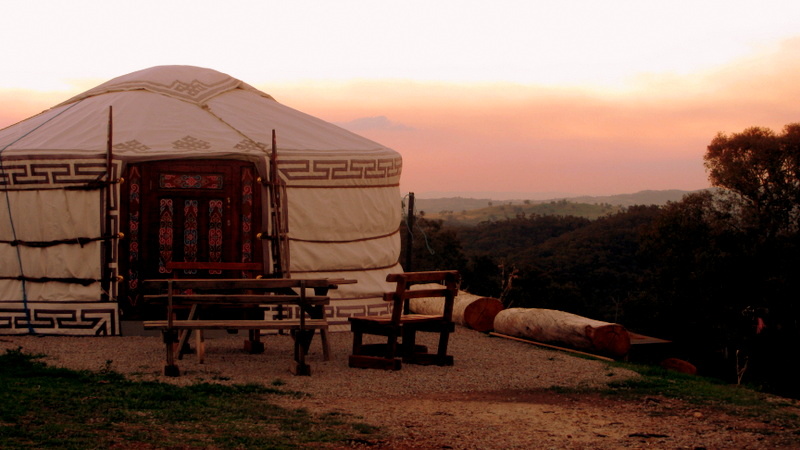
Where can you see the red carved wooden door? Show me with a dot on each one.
(202, 210)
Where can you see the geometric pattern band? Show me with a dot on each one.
(299, 170)
(76, 319)
(102, 319)
(190, 181)
(337, 311)
(50, 172)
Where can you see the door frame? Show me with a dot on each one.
(243, 210)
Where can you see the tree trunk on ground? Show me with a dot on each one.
(563, 328)
(469, 310)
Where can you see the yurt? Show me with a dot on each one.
(181, 163)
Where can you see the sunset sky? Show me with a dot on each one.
(500, 99)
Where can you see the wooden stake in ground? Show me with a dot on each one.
(471, 311)
(563, 328)
(554, 347)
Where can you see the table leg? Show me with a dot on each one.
(305, 338)
(254, 345)
(326, 352)
(201, 346)
(170, 338)
(183, 341)
(299, 367)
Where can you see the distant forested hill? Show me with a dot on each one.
(436, 205)
(470, 211)
(506, 211)
(645, 198)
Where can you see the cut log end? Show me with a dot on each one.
(479, 314)
(610, 339)
(469, 310)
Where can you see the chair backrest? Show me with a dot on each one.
(449, 279)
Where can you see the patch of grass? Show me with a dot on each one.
(42, 406)
(702, 391)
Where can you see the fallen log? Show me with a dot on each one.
(471, 311)
(566, 329)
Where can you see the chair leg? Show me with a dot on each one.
(357, 342)
(444, 338)
(442, 358)
(391, 345)
(417, 354)
(409, 343)
(366, 357)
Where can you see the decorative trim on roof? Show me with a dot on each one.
(249, 144)
(191, 143)
(193, 91)
(133, 145)
(190, 89)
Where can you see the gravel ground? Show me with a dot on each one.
(495, 396)
(482, 362)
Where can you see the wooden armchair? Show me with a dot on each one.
(402, 324)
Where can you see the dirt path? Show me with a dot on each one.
(546, 419)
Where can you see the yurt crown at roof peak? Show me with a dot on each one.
(188, 83)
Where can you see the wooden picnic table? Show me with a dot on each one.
(254, 293)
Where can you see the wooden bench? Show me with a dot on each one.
(400, 323)
(241, 293)
(215, 269)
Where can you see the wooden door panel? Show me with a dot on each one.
(194, 229)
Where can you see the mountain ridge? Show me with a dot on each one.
(645, 197)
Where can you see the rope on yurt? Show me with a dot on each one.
(78, 240)
(11, 217)
(407, 220)
(345, 241)
(93, 185)
(68, 280)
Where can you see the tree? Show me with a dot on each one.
(591, 270)
(435, 247)
(724, 263)
(699, 269)
(763, 168)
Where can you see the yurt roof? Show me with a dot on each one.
(180, 111)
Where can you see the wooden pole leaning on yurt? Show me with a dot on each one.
(410, 244)
(107, 254)
(409, 262)
(278, 243)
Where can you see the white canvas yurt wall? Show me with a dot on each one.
(57, 184)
